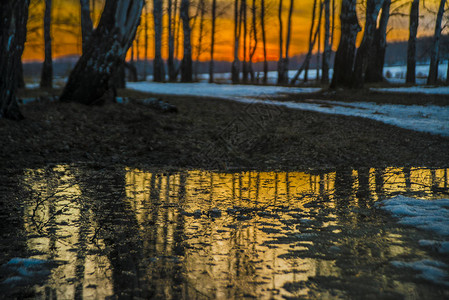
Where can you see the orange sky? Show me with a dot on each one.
(66, 30)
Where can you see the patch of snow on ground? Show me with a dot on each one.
(429, 270)
(432, 215)
(432, 119)
(214, 90)
(24, 271)
(441, 90)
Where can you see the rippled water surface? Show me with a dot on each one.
(200, 234)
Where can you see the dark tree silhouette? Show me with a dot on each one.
(186, 64)
(47, 67)
(264, 41)
(235, 68)
(344, 58)
(13, 19)
(434, 54)
(411, 45)
(89, 82)
(86, 22)
(158, 64)
(212, 41)
(374, 72)
(327, 45)
(364, 51)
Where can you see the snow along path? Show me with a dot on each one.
(431, 119)
(429, 90)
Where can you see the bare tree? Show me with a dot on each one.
(86, 23)
(235, 68)
(158, 64)
(199, 46)
(363, 53)
(145, 65)
(284, 60)
(253, 47)
(243, 10)
(171, 10)
(376, 59)
(89, 82)
(186, 65)
(47, 67)
(411, 45)
(313, 36)
(264, 41)
(434, 54)
(212, 41)
(13, 19)
(327, 44)
(344, 58)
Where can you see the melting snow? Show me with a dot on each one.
(441, 90)
(429, 270)
(432, 119)
(432, 215)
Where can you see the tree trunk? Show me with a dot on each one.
(318, 52)
(235, 68)
(281, 65)
(434, 55)
(363, 53)
(13, 19)
(89, 82)
(411, 45)
(254, 34)
(327, 45)
(264, 42)
(245, 39)
(212, 42)
(186, 64)
(86, 22)
(47, 67)
(374, 72)
(344, 58)
(158, 64)
(145, 65)
(312, 40)
(199, 47)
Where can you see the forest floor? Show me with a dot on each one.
(216, 135)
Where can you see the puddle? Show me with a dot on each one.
(200, 234)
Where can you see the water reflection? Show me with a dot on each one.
(200, 234)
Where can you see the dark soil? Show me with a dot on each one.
(211, 134)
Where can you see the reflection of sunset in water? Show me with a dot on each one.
(196, 234)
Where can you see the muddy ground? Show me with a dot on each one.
(214, 134)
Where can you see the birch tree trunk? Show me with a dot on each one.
(327, 46)
(13, 19)
(235, 68)
(344, 58)
(158, 64)
(374, 72)
(89, 82)
(186, 64)
(411, 45)
(212, 41)
(434, 55)
(264, 41)
(47, 67)
(364, 51)
(86, 23)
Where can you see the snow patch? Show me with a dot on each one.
(430, 118)
(22, 271)
(429, 90)
(430, 270)
(438, 246)
(431, 215)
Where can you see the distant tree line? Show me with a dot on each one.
(105, 44)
